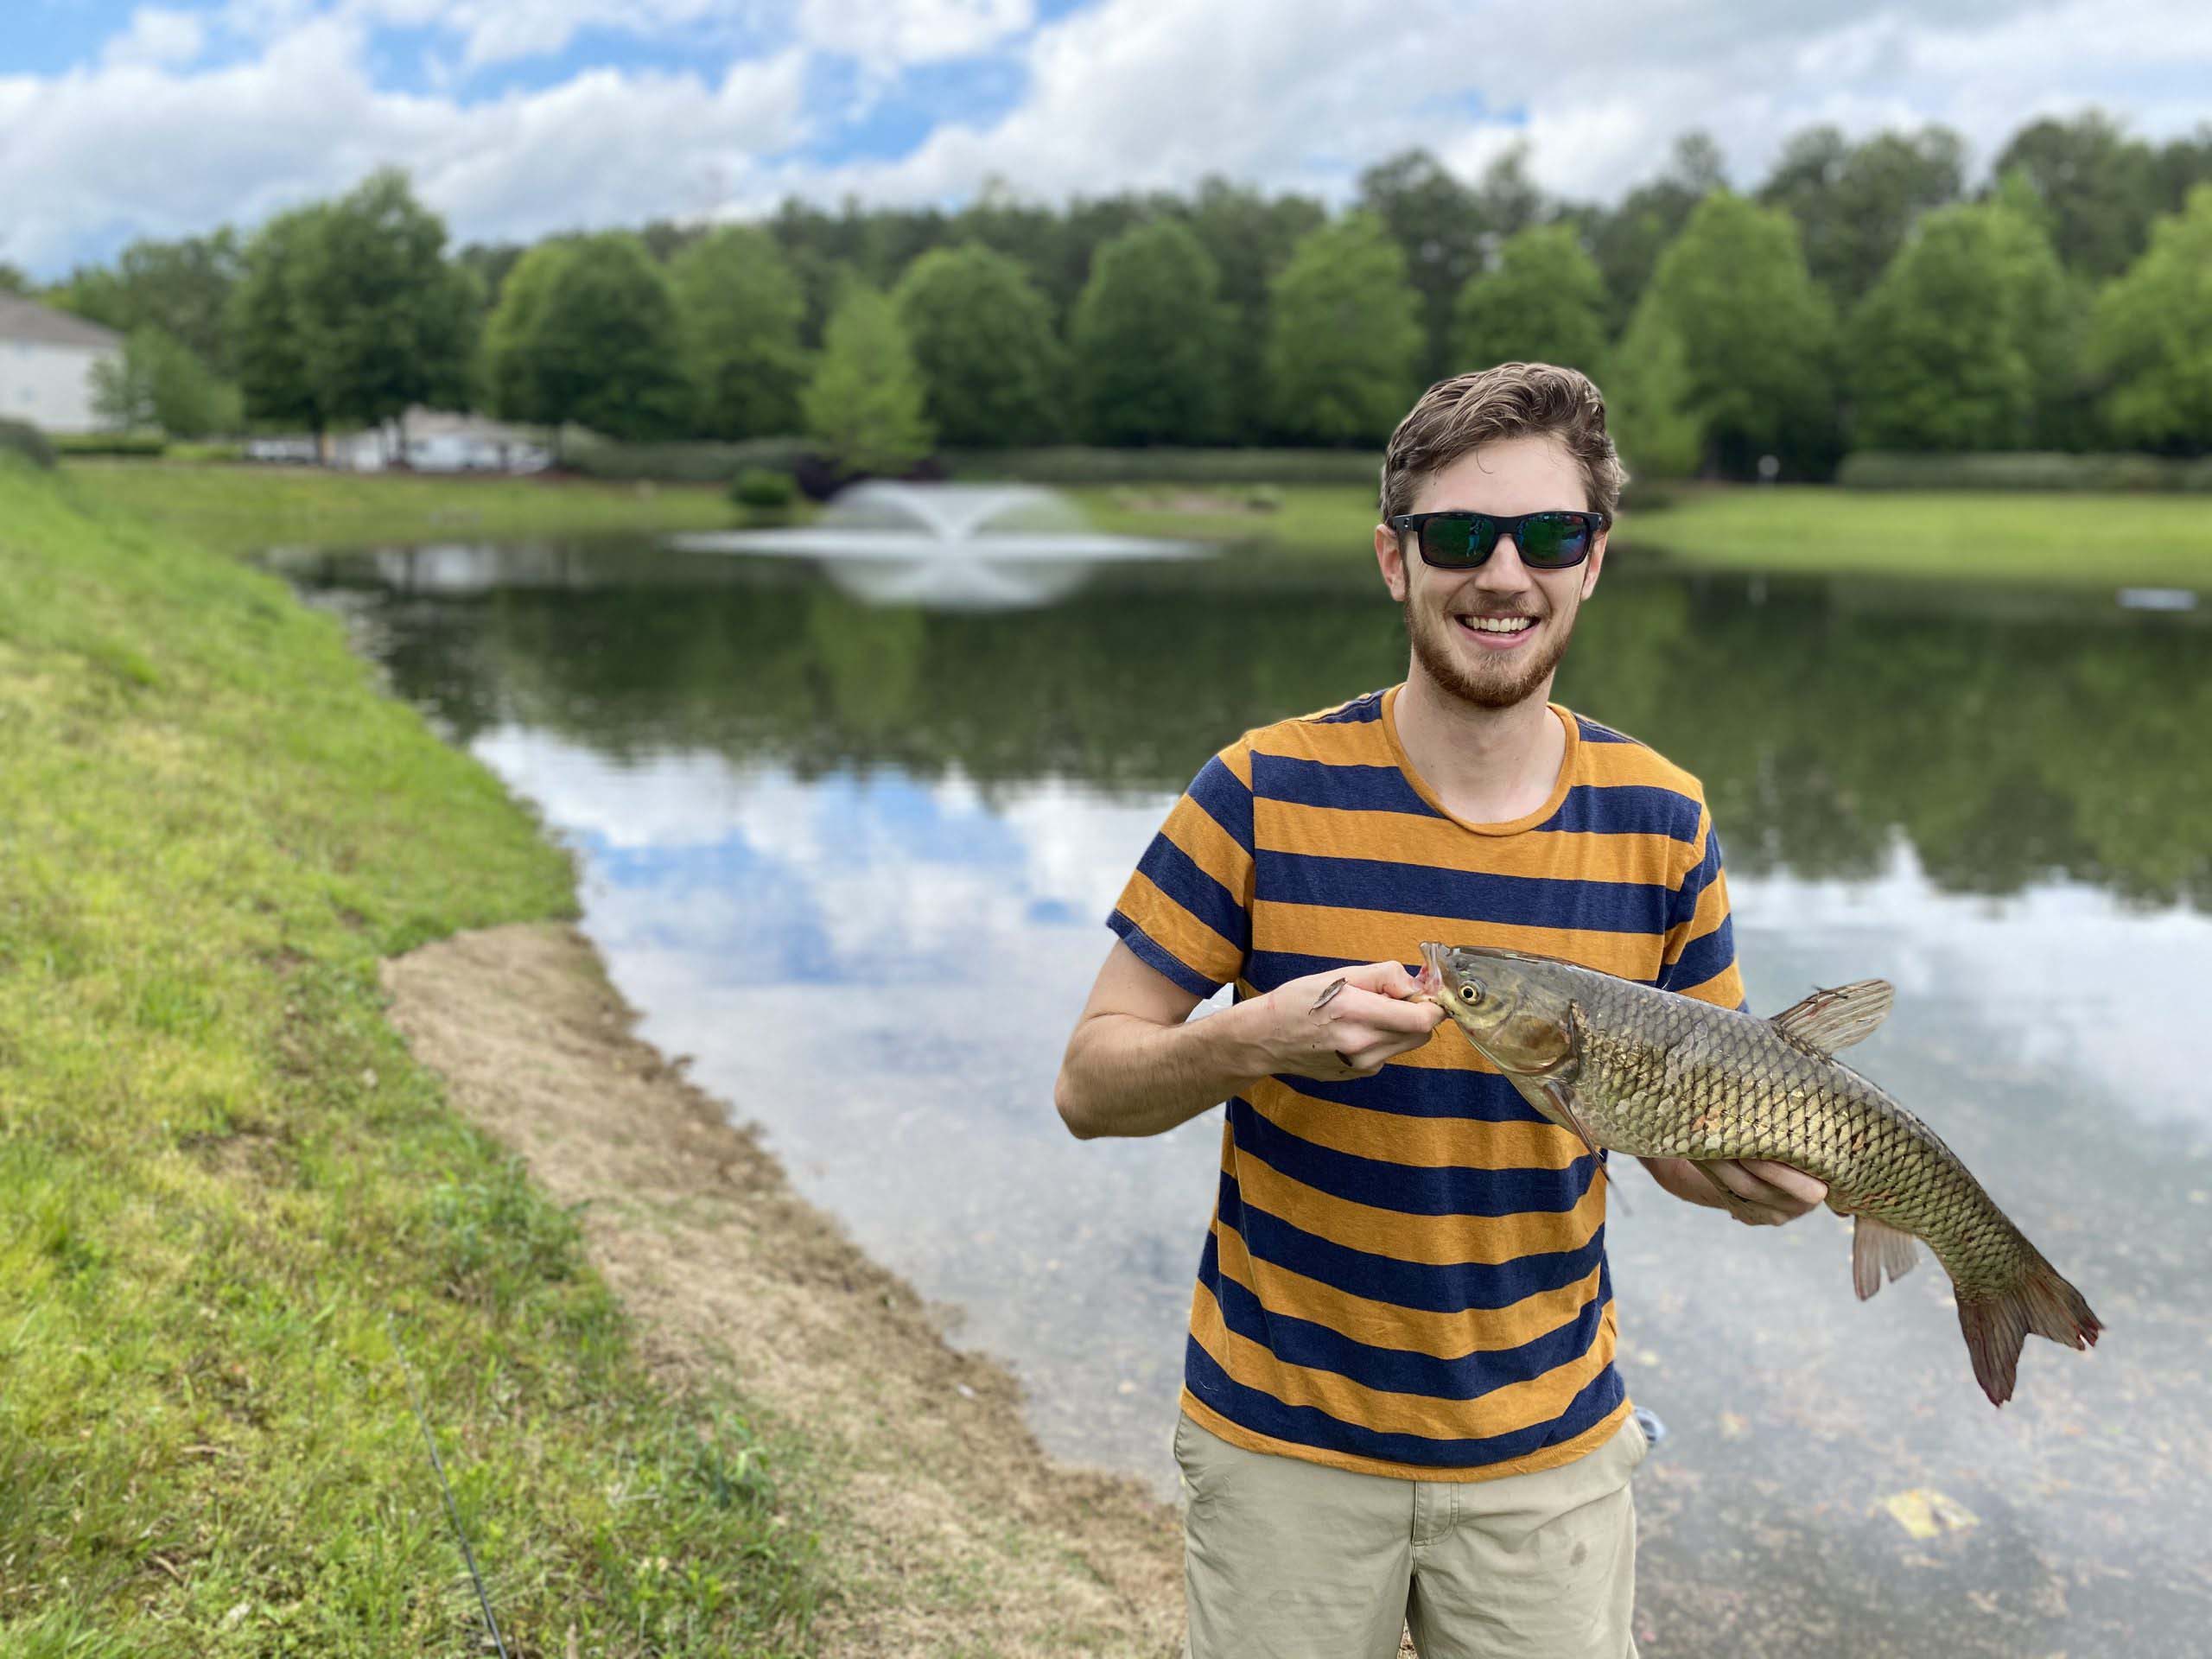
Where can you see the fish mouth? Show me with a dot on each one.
(1429, 982)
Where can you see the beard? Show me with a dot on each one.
(1510, 681)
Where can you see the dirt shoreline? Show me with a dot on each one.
(947, 1529)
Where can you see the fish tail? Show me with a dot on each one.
(1996, 1326)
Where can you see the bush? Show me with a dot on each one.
(677, 463)
(759, 487)
(137, 444)
(18, 439)
(2022, 469)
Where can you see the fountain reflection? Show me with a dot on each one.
(963, 547)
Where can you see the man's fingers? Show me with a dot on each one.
(1390, 979)
(1353, 1006)
(1771, 1182)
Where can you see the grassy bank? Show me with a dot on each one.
(239, 506)
(225, 1183)
(2093, 540)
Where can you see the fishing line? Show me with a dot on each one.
(452, 1513)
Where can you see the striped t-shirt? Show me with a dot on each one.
(1406, 1273)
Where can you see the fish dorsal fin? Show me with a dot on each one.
(1829, 1020)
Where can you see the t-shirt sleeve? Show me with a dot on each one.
(1700, 957)
(1186, 911)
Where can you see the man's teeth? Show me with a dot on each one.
(1499, 624)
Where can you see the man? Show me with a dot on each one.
(1399, 1402)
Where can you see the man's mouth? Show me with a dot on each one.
(1498, 632)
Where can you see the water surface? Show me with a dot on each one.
(854, 861)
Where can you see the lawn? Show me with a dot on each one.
(2090, 540)
(247, 507)
(228, 1188)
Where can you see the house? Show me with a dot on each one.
(435, 441)
(45, 365)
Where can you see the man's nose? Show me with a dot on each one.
(1503, 569)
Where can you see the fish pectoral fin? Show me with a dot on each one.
(1876, 1248)
(1561, 1097)
(1830, 1020)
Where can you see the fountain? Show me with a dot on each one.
(946, 546)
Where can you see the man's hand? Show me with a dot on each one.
(1309, 1031)
(1757, 1192)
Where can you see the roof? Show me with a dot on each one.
(26, 319)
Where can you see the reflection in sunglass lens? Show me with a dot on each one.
(1554, 539)
(1454, 540)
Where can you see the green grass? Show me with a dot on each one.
(221, 1173)
(2091, 541)
(248, 506)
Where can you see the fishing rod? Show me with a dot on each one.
(453, 1512)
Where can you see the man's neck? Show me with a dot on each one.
(1487, 766)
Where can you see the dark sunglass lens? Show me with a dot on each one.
(1552, 539)
(1454, 540)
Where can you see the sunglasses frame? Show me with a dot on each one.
(1506, 525)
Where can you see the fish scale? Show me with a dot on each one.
(1648, 1072)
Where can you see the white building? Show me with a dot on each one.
(45, 365)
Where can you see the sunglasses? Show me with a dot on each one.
(1460, 541)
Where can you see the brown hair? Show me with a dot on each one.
(1510, 401)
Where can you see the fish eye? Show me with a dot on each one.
(1470, 993)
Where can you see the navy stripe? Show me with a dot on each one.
(1263, 1413)
(1594, 732)
(1317, 783)
(1268, 969)
(1626, 810)
(1161, 960)
(1462, 895)
(1452, 1287)
(1410, 1189)
(1359, 711)
(1176, 873)
(1221, 795)
(1395, 1370)
(1426, 1092)
(1696, 883)
(1702, 959)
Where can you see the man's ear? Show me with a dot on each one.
(1391, 555)
(1592, 565)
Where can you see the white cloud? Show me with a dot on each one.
(911, 31)
(157, 35)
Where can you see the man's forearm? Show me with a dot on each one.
(1127, 1076)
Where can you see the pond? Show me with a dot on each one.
(855, 861)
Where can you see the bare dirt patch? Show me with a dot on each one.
(948, 1530)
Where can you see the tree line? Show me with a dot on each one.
(1860, 296)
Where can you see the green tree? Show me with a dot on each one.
(390, 324)
(181, 288)
(864, 405)
(1627, 241)
(2101, 188)
(1758, 336)
(1965, 336)
(1648, 399)
(269, 328)
(992, 369)
(1855, 203)
(586, 332)
(739, 307)
(2150, 338)
(1249, 236)
(1438, 223)
(156, 382)
(1345, 341)
(1542, 302)
(12, 280)
(1147, 337)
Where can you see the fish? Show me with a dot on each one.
(1629, 1068)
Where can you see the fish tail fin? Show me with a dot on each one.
(1998, 1324)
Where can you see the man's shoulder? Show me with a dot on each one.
(1348, 732)
(1617, 758)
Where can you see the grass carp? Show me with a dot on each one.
(1644, 1071)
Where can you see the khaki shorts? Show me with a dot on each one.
(1284, 1559)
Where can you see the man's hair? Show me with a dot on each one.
(1510, 401)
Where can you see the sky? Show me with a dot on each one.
(520, 117)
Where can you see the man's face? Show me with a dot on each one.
(1492, 666)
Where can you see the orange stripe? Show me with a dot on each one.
(1515, 1406)
(1212, 848)
(1182, 935)
(1554, 1456)
(1384, 936)
(1353, 743)
(1386, 1324)
(1427, 1142)
(1427, 1241)
(1356, 832)
(1610, 764)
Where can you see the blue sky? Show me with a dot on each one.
(517, 117)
